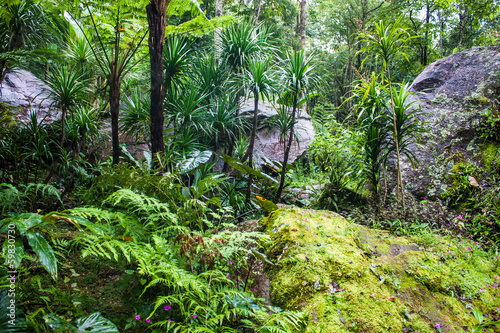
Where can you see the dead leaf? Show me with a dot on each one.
(391, 298)
(372, 295)
(473, 181)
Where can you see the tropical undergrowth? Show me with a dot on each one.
(173, 255)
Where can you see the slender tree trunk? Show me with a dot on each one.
(303, 5)
(287, 150)
(219, 10)
(252, 143)
(114, 108)
(157, 21)
(396, 142)
(256, 11)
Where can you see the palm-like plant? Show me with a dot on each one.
(408, 127)
(209, 75)
(239, 43)
(23, 24)
(185, 108)
(298, 78)
(222, 122)
(67, 89)
(79, 53)
(175, 58)
(386, 43)
(371, 108)
(258, 81)
(135, 119)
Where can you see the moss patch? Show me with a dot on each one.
(351, 278)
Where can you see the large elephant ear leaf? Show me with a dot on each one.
(13, 253)
(10, 322)
(194, 160)
(96, 323)
(245, 169)
(59, 325)
(44, 251)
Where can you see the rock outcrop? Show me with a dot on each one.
(453, 93)
(350, 278)
(21, 88)
(268, 143)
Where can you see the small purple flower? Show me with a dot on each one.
(194, 316)
(167, 307)
(228, 276)
(497, 277)
(486, 284)
(468, 249)
(148, 320)
(306, 218)
(460, 216)
(254, 289)
(437, 326)
(459, 235)
(230, 262)
(307, 227)
(137, 317)
(425, 198)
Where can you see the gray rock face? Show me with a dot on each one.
(453, 93)
(22, 89)
(267, 143)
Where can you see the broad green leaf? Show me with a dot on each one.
(13, 254)
(245, 169)
(6, 317)
(23, 221)
(58, 324)
(77, 221)
(96, 323)
(194, 160)
(262, 257)
(243, 302)
(44, 251)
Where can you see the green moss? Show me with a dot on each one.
(350, 278)
(490, 156)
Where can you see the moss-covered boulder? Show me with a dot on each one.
(350, 278)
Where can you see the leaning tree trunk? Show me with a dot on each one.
(157, 21)
(251, 145)
(287, 150)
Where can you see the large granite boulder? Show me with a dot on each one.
(268, 143)
(453, 92)
(351, 278)
(22, 89)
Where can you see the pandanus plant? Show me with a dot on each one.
(298, 78)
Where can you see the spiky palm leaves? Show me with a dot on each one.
(386, 43)
(298, 77)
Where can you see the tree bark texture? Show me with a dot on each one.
(303, 5)
(256, 11)
(114, 108)
(157, 21)
(252, 144)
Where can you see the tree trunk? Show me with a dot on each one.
(219, 9)
(303, 5)
(256, 11)
(251, 144)
(157, 21)
(114, 108)
(302, 29)
(287, 150)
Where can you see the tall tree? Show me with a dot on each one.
(114, 60)
(157, 22)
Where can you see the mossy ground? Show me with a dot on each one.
(350, 278)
